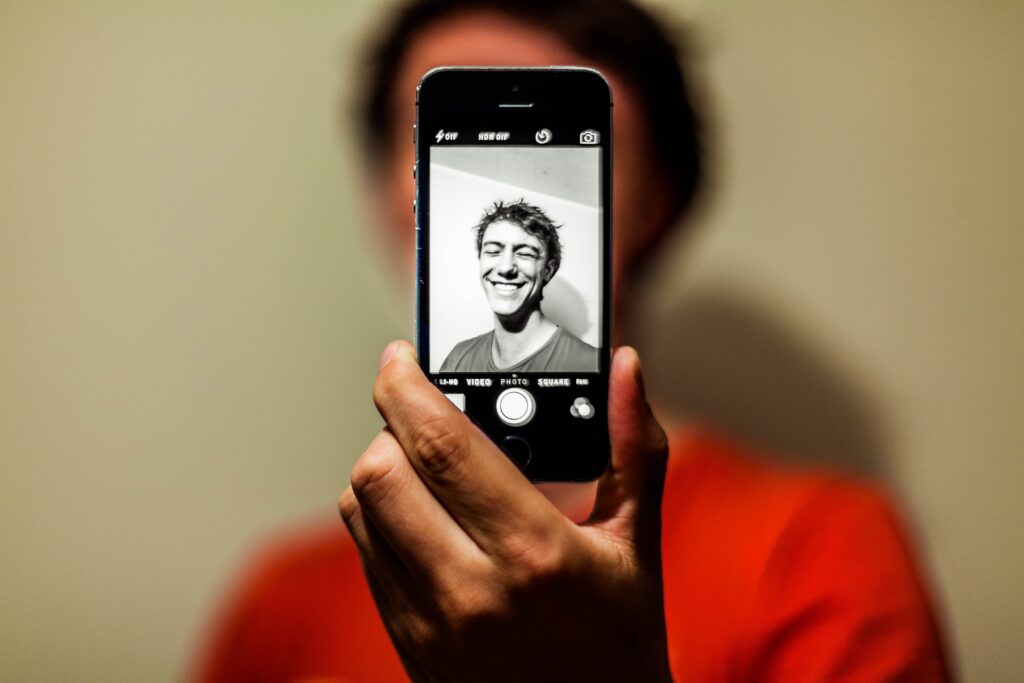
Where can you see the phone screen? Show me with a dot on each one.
(513, 290)
(515, 244)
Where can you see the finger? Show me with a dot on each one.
(484, 492)
(397, 598)
(629, 493)
(384, 571)
(400, 506)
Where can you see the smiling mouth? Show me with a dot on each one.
(506, 287)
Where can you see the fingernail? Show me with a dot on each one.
(389, 352)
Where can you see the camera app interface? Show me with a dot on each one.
(515, 255)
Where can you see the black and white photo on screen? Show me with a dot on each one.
(514, 258)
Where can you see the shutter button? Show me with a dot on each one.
(515, 406)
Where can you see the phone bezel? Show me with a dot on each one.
(562, 98)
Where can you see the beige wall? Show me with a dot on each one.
(190, 319)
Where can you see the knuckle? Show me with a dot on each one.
(471, 599)
(537, 562)
(440, 445)
(388, 384)
(473, 610)
(373, 475)
(412, 629)
(348, 506)
(426, 637)
(416, 630)
(382, 387)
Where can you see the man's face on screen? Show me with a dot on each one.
(514, 267)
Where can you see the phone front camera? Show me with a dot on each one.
(514, 87)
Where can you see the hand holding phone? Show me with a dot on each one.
(476, 575)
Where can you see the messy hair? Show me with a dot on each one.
(530, 218)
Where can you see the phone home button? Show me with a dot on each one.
(515, 406)
(518, 449)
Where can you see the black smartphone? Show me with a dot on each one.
(513, 220)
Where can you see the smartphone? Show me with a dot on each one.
(513, 221)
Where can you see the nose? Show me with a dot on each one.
(506, 264)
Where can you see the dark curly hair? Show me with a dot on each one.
(531, 219)
(618, 35)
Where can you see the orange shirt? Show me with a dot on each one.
(770, 575)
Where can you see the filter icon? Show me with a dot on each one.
(582, 409)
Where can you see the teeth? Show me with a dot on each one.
(505, 288)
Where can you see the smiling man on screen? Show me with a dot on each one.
(519, 252)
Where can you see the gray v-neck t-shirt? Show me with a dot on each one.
(564, 352)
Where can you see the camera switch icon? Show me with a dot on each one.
(590, 137)
(582, 408)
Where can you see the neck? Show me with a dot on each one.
(517, 337)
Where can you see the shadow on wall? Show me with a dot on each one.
(566, 307)
(723, 358)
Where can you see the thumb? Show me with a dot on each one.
(628, 500)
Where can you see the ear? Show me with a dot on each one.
(550, 268)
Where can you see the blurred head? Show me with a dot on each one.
(656, 159)
(519, 253)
